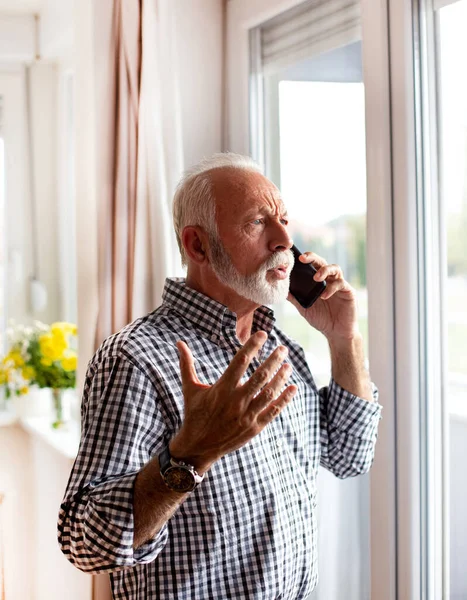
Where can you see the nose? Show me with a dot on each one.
(280, 240)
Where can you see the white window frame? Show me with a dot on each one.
(66, 196)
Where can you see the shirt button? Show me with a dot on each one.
(213, 337)
(279, 443)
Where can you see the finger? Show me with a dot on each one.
(272, 390)
(316, 260)
(241, 361)
(265, 372)
(275, 408)
(329, 271)
(187, 364)
(334, 287)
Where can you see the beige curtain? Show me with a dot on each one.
(160, 158)
(117, 123)
(140, 158)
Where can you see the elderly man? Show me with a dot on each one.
(203, 428)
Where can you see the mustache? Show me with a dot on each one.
(284, 257)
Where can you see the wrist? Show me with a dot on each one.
(182, 451)
(345, 342)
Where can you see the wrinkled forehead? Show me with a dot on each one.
(238, 191)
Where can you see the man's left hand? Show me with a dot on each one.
(335, 311)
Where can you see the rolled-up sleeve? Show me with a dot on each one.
(122, 430)
(348, 430)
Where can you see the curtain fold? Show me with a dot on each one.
(119, 111)
(160, 159)
(141, 161)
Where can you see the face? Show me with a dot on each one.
(252, 253)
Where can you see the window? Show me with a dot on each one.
(322, 179)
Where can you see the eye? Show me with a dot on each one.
(257, 222)
(284, 221)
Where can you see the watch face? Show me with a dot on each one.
(179, 479)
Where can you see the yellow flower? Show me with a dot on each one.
(3, 377)
(28, 373)
(15, 357)
(70, 362)
(64, 328)
(47, 362)
(52, 346)
(24, 390)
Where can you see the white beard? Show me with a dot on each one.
(254, 287)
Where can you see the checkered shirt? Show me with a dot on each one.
(249, 530)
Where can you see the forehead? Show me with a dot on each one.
(239, 192)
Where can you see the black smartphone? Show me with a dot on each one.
(302, 285)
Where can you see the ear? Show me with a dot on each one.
(195, 240)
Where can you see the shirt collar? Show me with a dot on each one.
(207, 314)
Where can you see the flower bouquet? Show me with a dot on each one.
(41, 355)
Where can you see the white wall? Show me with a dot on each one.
(199, 45)
(57, 31)
(16, 37)
(17, 526)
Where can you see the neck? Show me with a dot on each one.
(209, 285)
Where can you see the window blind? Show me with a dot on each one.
(437, 4)
(309, 29)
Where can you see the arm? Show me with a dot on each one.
(348, 367)
(120, 428)
(349, 413)
(153, 503)
(116, 505)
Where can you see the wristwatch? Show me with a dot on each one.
(178, 475)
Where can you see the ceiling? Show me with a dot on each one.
(20, 6)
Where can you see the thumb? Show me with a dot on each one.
(187, 365)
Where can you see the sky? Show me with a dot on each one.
(453, 115)
(322, 131)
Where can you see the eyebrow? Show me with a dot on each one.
(263, 211)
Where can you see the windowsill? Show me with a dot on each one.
(7, 417)
(64, 440)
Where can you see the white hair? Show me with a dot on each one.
(194, 202)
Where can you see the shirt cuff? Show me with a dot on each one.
(109, 520)
(351, 414)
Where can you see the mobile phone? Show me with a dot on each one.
(302, 285)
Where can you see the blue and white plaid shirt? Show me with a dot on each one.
(249, 530)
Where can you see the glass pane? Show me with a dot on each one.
(322, 160)
(453, 162)
(315, 152)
